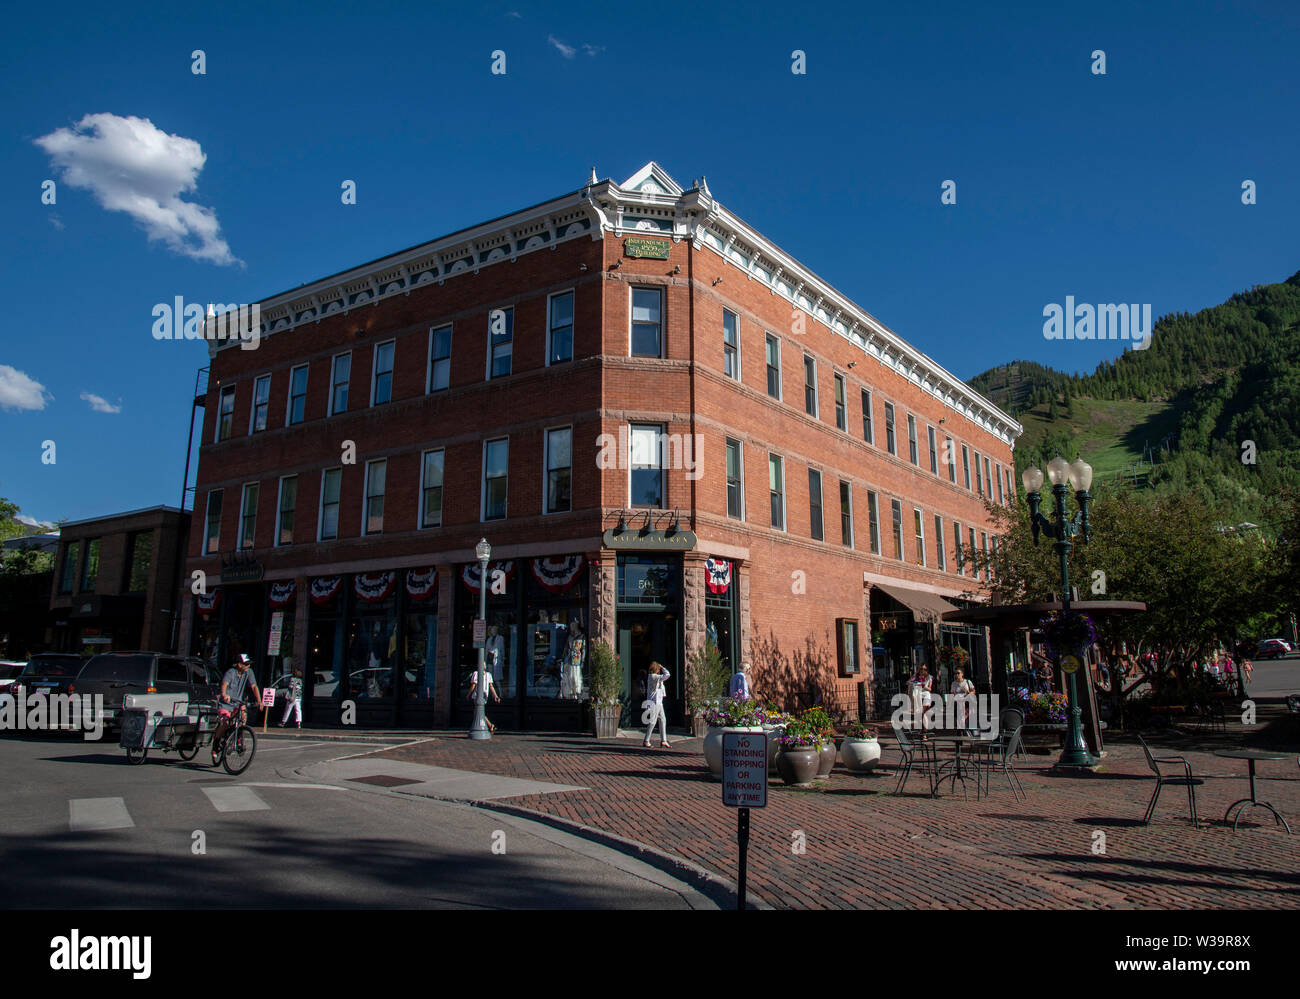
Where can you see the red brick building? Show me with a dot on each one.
(664, 426)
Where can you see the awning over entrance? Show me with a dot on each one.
(925, 607)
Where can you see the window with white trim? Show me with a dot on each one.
(912, 452)
(331, 482)
(939, 554)
(559, 470)
(646, 475)
(212, 533)
(248, 514)
(810, 385)
(841, 409)
(868, 428)
(735, 480)
(919, 526)
(287, 505)
(873, 513)
(439, 359)
(261, 404)
(776, 489)
(934, 451)
(815, 524)
(381, 382)
(297, 395)
(501, 336)
(559, 328)
(846, 514)
(773, 348)
(896, 509)
(730, 344)
(647, 322)
(496, 471)
(376, 487)
(340, 374)
(890, 441)
(226, 413)
(431, 472)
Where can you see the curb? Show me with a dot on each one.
(716, 888)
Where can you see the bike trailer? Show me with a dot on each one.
(154, 720)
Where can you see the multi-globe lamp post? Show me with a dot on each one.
(479, 729)
(1063, 475)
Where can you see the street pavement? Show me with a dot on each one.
(83, 829)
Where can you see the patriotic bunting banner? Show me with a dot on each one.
(323, 588)
(718, 574)
(282, 593)
(420, 583)
(373, 587)
(557, 574)
(469, 574)
(208, 602)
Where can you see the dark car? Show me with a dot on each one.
(48, 673)
(114, 675)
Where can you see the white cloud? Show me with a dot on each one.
(18, 391)
(516, 15)
(99, 404)
(56, 222)
(132, 166)
(22, 518)
(592, 50)
(568, 51)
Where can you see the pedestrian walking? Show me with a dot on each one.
(740, 687)
(962, 690)
(654, 694)
(489, 690)
(293, 698)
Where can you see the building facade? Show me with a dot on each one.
(666, 428)
(115, 582)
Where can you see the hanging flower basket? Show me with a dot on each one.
(1072, 632)
(954, 657)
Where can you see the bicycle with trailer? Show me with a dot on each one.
(168, 724)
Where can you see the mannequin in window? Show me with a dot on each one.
(495, 648)
(571, 684)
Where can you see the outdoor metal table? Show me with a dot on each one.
(1250, 756)
(958, 741)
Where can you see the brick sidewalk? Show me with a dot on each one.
(867, 848)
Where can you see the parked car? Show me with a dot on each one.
(114, 675)
(1273, 648)
(9, 671)
(48, 673)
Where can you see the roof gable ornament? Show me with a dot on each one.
(652, 179)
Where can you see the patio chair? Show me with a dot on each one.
(913, 756)
(1000, 751)
(1187, 780)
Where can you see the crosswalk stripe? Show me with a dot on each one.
(235, 799)
(86, 814)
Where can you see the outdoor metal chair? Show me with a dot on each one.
(1187, 780)
(913, 756)
(1000, 751)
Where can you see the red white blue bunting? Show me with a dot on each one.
(557, 574)
(208, 602)
(373, 587)
(324, 588)
(718, 575)
(420, 583)
(282, 593)
(469, 575)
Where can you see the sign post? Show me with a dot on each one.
(744, 786)
(268, 702)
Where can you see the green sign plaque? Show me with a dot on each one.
(651, 249)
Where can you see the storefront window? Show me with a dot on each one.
(719, 607)
(420, 651)
(372, 636)
(555, 637)
(502, 647)
(325, 636)
(644, 580)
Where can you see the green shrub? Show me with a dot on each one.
(606, 674)
(706, 676)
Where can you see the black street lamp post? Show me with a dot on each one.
(1063, 475)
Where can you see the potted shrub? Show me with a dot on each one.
(796, 758)
(820, 724)
(727, 715)
(606, 679)
(860, 750)
(706, 683)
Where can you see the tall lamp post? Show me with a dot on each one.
(1063, 475)
(479, 729)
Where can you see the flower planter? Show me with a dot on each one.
(606, 720)
(713, 748)
(826, 760)
(798, 767)
(860, 755)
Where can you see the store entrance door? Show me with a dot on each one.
(643, 638)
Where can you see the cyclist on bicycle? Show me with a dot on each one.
(231, 700)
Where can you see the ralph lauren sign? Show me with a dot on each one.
(657, 541)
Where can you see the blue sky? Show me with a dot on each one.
(1117, 188)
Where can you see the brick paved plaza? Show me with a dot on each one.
(868, 848)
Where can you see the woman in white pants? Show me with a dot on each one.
(293, 699)
(654, 708)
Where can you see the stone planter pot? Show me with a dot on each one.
(826, 760)
(606, 718)
(773, 732)
(798, 767)
(860, 755)
(713, 748)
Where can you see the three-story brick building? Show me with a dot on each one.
(666, 427)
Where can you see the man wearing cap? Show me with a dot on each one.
(231, 700)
